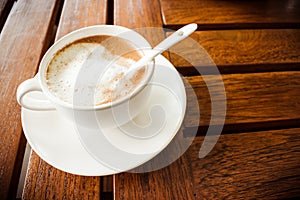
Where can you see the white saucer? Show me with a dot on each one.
(110, 151)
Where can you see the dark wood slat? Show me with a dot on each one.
(106, 190)
(239, 51)
(22, 42)
(215, 14)
(239, 167)
(5, 7)
(251, 98)
(143, 16)
(44, 181)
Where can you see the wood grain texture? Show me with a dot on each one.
(78, 14)
(251, 98)
(237, 51)
(263, 165)
(22, 43)
(216, 14)
(159, 184)
(137, 13)
(141, 15)
(44, 181)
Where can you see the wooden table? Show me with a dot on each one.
(256, 47)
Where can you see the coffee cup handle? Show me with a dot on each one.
(31, 85)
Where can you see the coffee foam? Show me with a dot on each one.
(87, 72)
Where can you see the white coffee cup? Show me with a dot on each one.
(110, 115)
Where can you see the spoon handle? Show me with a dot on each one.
(176, 37)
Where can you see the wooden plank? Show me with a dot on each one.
(44, 181)
(5, 7)
(262, 165)
(239, 167)
(137, 13)
(143, 16)
(22, 43)
(158, 184)
(215, 14)
(239, 51)
(255, 98)
(78, 14)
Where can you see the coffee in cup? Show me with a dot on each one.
(103, 60)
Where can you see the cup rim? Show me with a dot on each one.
(116, 30)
